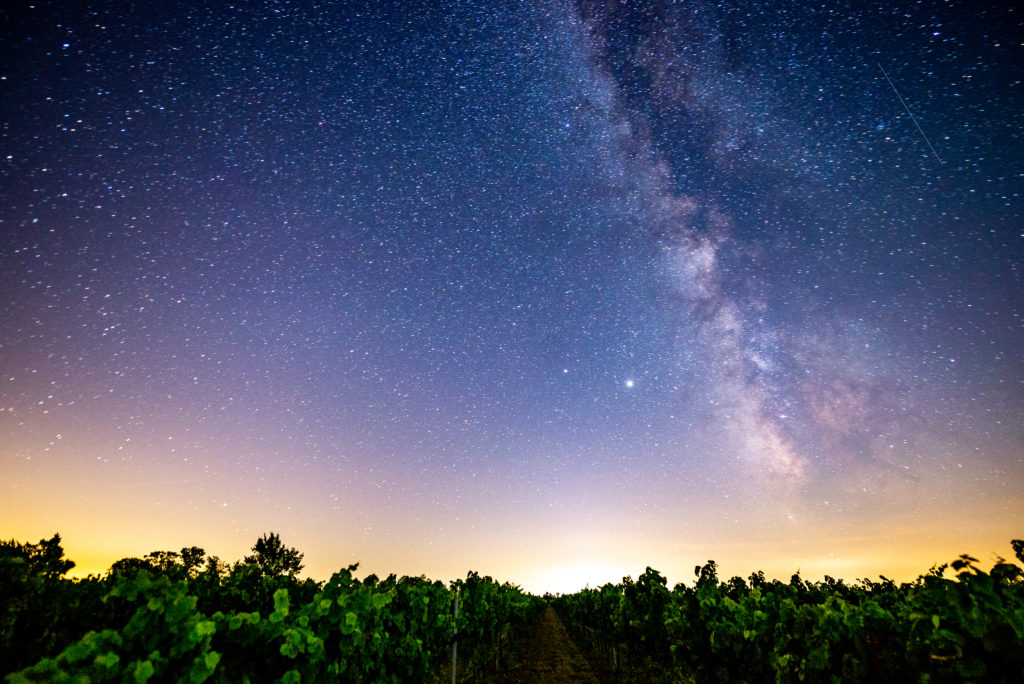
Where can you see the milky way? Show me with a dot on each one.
(551, 290)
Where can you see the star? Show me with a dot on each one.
(350, 258)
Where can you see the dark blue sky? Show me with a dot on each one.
(662, 277)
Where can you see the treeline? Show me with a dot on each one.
(186, 616)
(968, 628)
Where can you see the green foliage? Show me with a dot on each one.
(45, 558)
(165, 638)
(969, 628)
(159, 626)
(490, 616)
(174, 564)
(181, 621)
(40, 611)
(273, 557)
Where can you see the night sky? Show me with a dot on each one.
(549, 290)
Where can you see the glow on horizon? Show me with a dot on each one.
(541, 560)
(572, 577)
(583, 531)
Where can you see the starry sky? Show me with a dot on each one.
(550, 290)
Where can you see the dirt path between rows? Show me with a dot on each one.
(548, 655)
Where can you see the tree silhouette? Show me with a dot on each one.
(192, 558)
(273, 557)
(46, 557)
(178, 565)
(130, 565)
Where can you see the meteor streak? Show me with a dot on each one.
(911, 114)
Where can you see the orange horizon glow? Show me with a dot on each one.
(533, 538)
(901, 557)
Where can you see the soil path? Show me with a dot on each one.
(548, 655)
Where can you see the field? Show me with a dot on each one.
(185, 616)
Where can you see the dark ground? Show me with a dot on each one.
(548, 654)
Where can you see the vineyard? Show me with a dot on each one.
(935, 629)
(184, 616)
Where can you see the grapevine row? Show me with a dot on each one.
(966, 628)
(250, 626)
(162, 618)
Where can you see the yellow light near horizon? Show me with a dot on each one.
(569, 579)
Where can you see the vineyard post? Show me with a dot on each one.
(455, 637)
